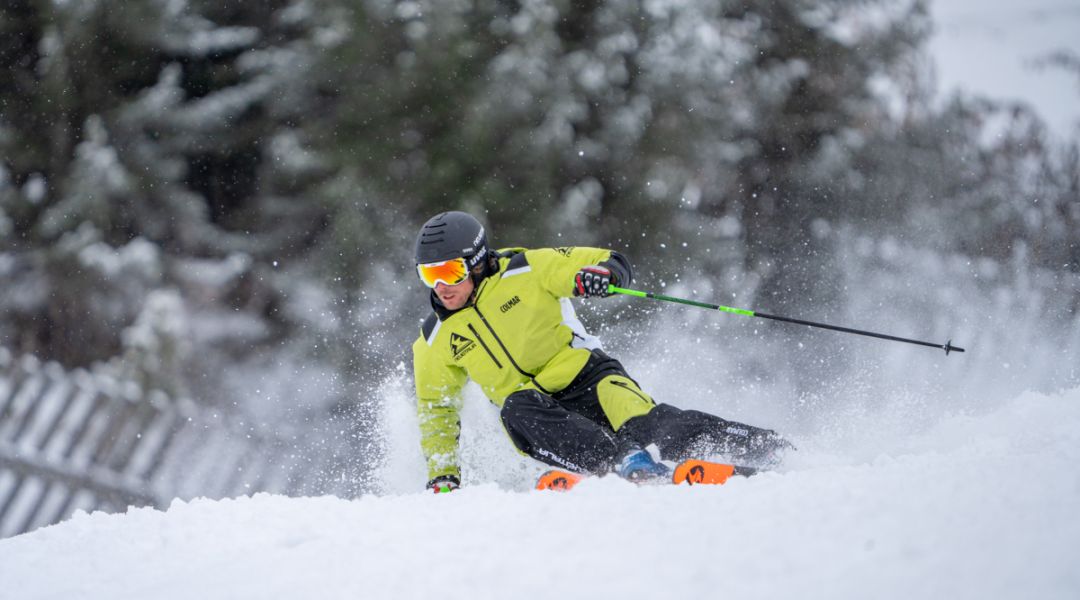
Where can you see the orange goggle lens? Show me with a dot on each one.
(450, 272)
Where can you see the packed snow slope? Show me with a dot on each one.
(976, 506)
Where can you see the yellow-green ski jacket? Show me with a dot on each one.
(518, 332)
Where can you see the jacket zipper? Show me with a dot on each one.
(507, 352)
(486, 349)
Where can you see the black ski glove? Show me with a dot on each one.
(444, 484)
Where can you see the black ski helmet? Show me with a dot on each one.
(449, 235)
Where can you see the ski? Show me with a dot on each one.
(695, 472)
(690, 472)
(558, 480)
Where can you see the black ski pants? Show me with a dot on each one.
(569, 429)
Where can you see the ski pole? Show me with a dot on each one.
(947, 346)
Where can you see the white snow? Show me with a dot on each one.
(970, 507)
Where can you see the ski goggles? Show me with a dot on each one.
(450, 272)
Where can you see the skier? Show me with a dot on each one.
(504, 319)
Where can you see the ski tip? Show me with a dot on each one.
(746, 471)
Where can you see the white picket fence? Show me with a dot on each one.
(78, 441)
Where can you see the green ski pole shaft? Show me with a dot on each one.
(947, 346)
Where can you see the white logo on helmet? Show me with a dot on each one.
(475, 260)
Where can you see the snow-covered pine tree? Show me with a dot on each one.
(171, 126)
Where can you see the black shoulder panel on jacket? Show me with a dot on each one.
(429, 326)
(517, 261)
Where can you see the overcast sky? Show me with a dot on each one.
(988, 46)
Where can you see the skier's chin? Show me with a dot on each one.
(452, 302)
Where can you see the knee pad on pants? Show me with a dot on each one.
(621, 399)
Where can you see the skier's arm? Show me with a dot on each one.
(559, 268)
(440, 427)
(438, 406)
